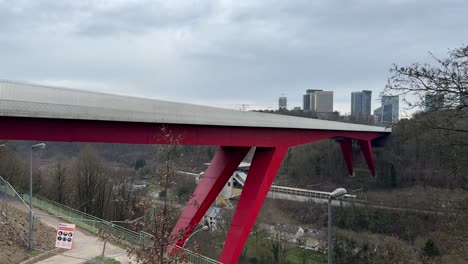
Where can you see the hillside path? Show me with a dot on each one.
(86, 245)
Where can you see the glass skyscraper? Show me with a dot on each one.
(390, 109)
(361, 103)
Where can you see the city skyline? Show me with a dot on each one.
(360, 100)
(224, 54)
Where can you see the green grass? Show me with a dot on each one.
(107, 261)
(294, 255)
(35, 252)
(153, 186)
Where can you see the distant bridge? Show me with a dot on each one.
(239, 178)
(304, 195)
(35, 112)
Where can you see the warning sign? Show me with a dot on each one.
(65, 235)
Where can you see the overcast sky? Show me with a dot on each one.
(224, 53)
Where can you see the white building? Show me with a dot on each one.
(290, 233)
(213, 217)
(318, 101)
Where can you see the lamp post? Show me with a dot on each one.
(31, 230)
(333, 195)
(79, 206)
(203, 228)
(5, 192)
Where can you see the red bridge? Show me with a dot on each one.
(32, 112)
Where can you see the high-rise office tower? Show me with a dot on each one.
(323, 101)
(283, 103)
(361, 103)
(378, 115)
(308, 102)
(318, 101)
(390, 109)
(463, 98)
(433, 102)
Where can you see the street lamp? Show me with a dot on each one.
(203, 228)
(31, 230)
(333, 195)
(5, 192)
(79, 206)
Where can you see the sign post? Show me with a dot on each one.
(65, 235)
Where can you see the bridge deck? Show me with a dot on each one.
(28, 100)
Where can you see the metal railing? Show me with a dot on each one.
(8, 190)
(94, 224)
(195, 258)
(86, 221)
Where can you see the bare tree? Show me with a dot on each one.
(13, 168)
(443, 86)
(161, 213)
(91, 183)
(58, 173)
(278, 249)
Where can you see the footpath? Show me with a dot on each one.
(86, 245)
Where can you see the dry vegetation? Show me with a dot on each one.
(14, 232)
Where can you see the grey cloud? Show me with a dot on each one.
(140, 17)
(220, 51)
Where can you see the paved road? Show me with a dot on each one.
(86, 245)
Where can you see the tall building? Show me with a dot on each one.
(283, 103)
(464, 98)
(433, 102)
(323, 101)
(356, 103)
(361, 103)
(378, 115)
(390, 109)
(318, 101)
(464, 101)
(308, 102)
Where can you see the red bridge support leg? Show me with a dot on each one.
(366, 149)
(263, 169)
(346, 148)
(223, 165)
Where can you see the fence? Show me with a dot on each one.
(7, 190)
(87, 221)
(92, 223)
(195, 258)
